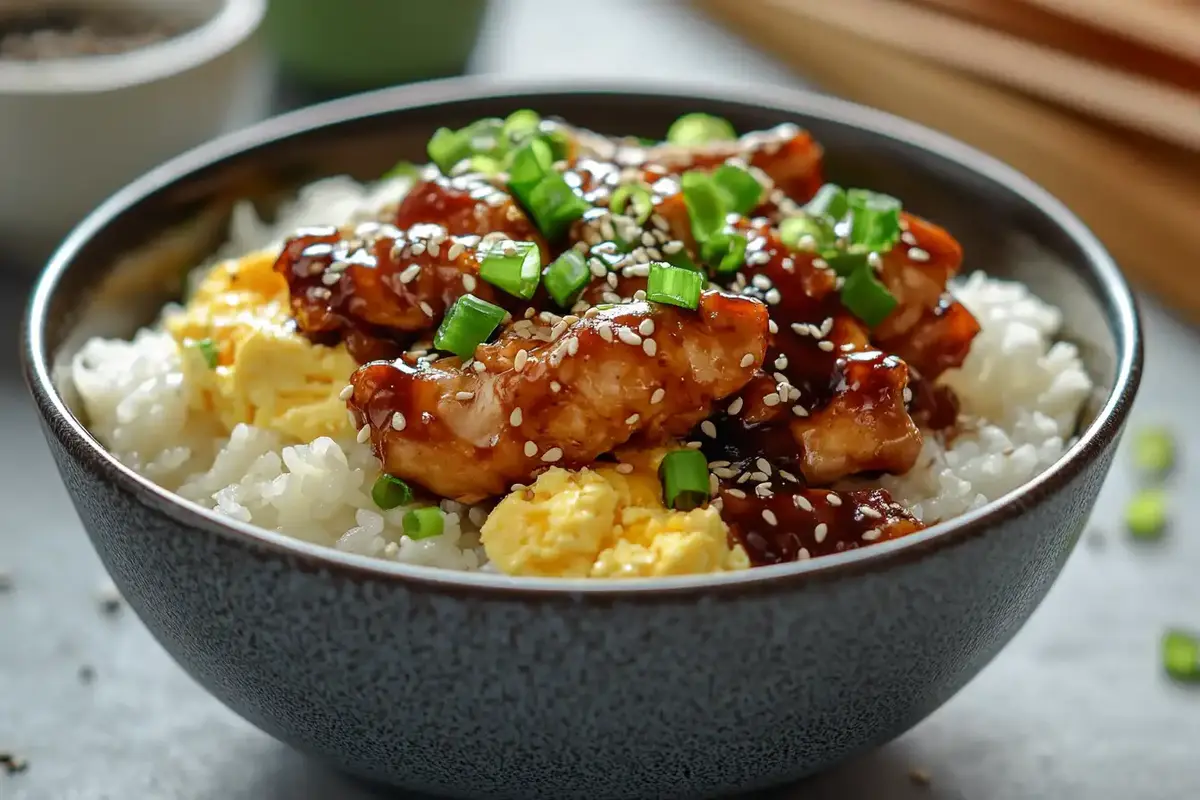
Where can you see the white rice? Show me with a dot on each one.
(1020, 394)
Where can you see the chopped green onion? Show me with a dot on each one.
(684, 476)
(208, 351)
(829, 201)
(875, 220)
(521, 123)
(486, 165)
(486, 136)
(558, 140)
(699, 128)
(566, 276)
(390, 492)
(611, 254)
(682, 259)
(1154, 450)
(527, 165)
(673, 285)
(403, 169)
(424, 523)
(866, 298)
(741, 188)
(706, 204)
(515, 267)
(555, 205)
(1146, 514)
(639, 195)
(468, 324)
(1181, 656)
(725, 252)
(446, 148)
(846, 262)
(793, 230)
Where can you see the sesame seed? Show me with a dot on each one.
(781, 362)
(398, 421)
(597, 267)
(632, 419)
(917, 254)
(867, 511)
(787, 476)
(426, 308)
(761, 281)
(738, 493)
(772, 327)
(624, 469)
(529, 312)
(464, 396)
(773, 297)
(479, 366)
(871, 535)
(647, 327)
(573, 345)
(763, 465)
(555, 387)
(747, 360)
(907, 395)
(418, 248)
(658, 396)
(735, 407)
(771, 399)
(714, 485)
(435, 248)
(833, 499)
(346, 393)
(552, 455)
(769, 516)
(800, 411)
(820, 532)
(558, 330)
(530, 449)
(801, 502)
(825, 345)
(606, 332)
(629, 337)
(455, 251)
(800, 328)
(694, 445)
(758, 476)
(745, 476)
(514, 418)
(848, 347)
(660, 222)
(468, 282)
(410, 272)
(612, 280)
(520, 359)
(803, 555)
(650, 347)
(709, 429)
(363, 434)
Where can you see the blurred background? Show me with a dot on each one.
(1098, 100)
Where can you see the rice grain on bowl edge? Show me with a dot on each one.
(1020, 393)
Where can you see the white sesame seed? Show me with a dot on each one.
(745, 476)
(529, 312)
(907, 395)
(803, 555)
(761, 281)
(629, 337)
(468, 282)
(435, 248)
(464, 395)
(772, 328)
(833, 499)
(763, 465)
(800, 411)
(781, 362)
(555, 387)
(624, 469)
(826, 326)
(455, 251)
(632, 419)
(530, 449)
(738, 493)
(801, 502)
(871, 535)
(709, 429)
(869, 512)
(787, 476)
(758, 476)
(747, 360)
(773, 297)
(558, 330)
(672, 247)
(597, 267)
(612, 280)
(769, 516)
(606, 332)
(694, 445)
(658, 396)
(363, 434)
(820, 532)
(650, 347)
(398, 421)
(346, 393)
(515, 417)
(520, 359)
(418, 248)
(800, 328)
(426, 308)
(848, 347)
(573, 345)
(908, 238)
(771, 399)
(735, 407)
(917, 254)
(410, 272)
(825, 345)
(647, 327)
(552, 455)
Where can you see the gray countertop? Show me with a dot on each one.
(1076, 707)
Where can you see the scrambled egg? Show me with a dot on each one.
(600, 523)
(244, 362)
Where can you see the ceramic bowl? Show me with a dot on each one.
(74, 130)
(479, 685)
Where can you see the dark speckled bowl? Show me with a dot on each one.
(484, 686)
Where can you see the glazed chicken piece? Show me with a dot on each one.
(466, 206)
(633, 369)
(916, 271)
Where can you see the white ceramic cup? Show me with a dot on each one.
(74, 130)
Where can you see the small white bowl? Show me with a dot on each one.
(74, 130)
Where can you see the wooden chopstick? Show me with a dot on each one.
(1166, 24)
(1130, 100)
(1144, 211)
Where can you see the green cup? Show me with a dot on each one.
(355, 45)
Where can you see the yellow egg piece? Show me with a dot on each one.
(265, 373)
(600, 523)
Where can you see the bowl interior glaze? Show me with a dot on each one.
(120, 266)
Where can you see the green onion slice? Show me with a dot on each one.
(684, 476)
(1181, 655)
(512, 266)
(446, 148)
(485, 165)
(846, 262)
(521, 123)
(682, 259)
(706, 204)
(528, 164)
(742, 189)
(725, 252)
(829, 201)
(637, 194)
(1154, 450)
(866, 298)
(673, 285)
(403, 169)
(875, 219)
(1146, 514)
(793, 230)
(468, 324)
(486, 136)
(208, 351)
(567, 276)
(555, 205)
(699, 128)
(390, 492)
(424, 523)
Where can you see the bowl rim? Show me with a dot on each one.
(60, 422)
(228, 25)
